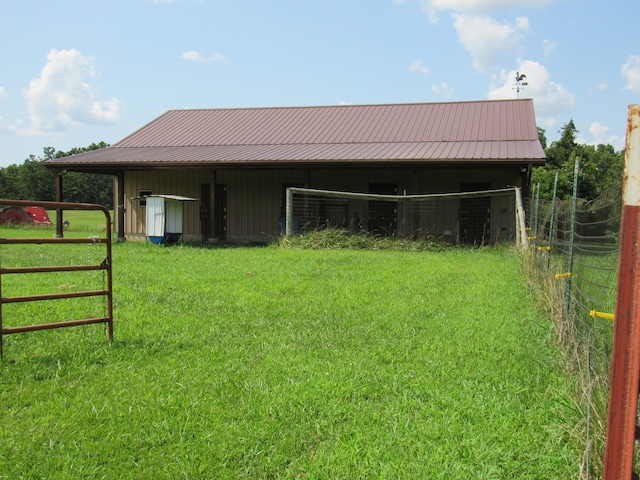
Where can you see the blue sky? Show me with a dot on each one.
(75, 72)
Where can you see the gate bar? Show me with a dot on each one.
(54, 296)
(64, 268)
(49, 326)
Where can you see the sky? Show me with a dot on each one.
(77, 72)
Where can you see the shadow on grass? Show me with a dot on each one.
(45, 361)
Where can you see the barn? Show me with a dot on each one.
(238, 162)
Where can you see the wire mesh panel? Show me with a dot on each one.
(479, 218)
(589, 244)
(577, 243)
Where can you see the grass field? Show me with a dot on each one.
(286, 363)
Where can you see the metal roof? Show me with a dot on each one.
(502, 131)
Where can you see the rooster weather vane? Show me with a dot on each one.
(520, 83)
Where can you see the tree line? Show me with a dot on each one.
(31, 180)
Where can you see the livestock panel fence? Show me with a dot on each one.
(485, 217)
(582, 255)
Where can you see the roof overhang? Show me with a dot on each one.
(109, 160)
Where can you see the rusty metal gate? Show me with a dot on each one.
(105, 265)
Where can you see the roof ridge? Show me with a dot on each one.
(391, 142)
(350, 105)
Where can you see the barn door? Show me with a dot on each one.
(474, 215)
(220, 212)
(383, 216)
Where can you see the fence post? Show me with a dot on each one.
(552, 219)
(288, 214)
(522, 233)
(625, 361)
(536, 205)
(536, 213)
(572, 235)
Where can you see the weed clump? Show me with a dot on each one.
(343, 240)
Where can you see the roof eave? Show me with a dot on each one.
(112, 168)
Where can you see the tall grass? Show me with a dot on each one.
(288, 363)
(585, 357)
(340, 239)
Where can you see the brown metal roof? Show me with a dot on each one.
(480, 131)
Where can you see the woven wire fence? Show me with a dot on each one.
(576, 245)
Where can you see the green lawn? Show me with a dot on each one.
(284, 363)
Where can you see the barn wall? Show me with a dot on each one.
(255, 198)
(174, 182)
(255, 202)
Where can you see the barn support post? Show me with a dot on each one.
(307, 178)
(120, 208)
(59, 198)
(213, 179)
(415, 220)
(526, 181)
(622, 429)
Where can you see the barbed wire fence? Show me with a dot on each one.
(575, 249)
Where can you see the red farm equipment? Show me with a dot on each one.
(28, 215)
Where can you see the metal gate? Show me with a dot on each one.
(105, 265)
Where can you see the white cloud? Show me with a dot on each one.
(550, 98)
(61, 97)
(550, 124)
(631, 72)
(194, 56)
(549, 47)
(598, 131)
(419, 67)
(442, 90)
(490, 42)
(173, 1)
(601, 135)
(3, 92)
(481, 6)
(432, 7)
(522, 23)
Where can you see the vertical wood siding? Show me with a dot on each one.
(255, 201)
(255, 197)
(174, 182)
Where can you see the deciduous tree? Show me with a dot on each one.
(32, 180)
(601, 167)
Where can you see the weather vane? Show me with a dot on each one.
(520, 83)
